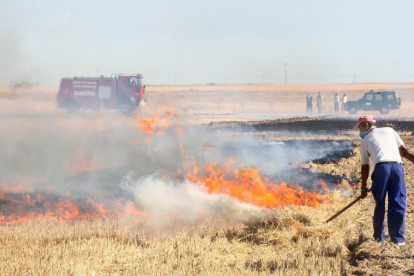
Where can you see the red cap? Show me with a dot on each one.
(365, 119)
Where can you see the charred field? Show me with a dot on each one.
(175, 190)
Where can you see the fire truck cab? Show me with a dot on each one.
(124, 92)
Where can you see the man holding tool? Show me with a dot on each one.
(382, 146)
(406, 154)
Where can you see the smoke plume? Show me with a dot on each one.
(186, 201)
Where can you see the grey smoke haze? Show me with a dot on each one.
(103, 154)
(11, 59)
(208, 41)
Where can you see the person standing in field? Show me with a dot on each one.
(344, 100)
(319, 99)
(336, 103)
(309, 103)
(383, 146)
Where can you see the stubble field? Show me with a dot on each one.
(96, 152)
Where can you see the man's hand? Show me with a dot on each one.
(364, 192)
(403, 151)
(406, 154)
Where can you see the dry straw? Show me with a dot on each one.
(293, 241)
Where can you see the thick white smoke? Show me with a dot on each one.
(166, 200)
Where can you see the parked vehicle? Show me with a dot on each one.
(123, 92)
(382, 101)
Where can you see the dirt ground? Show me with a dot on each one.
(270, 113)
(205, 104)
(264, 102)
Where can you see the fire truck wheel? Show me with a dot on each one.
(72, 106)
(127, 110)
(126, 105)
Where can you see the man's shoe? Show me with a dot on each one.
(400, 243)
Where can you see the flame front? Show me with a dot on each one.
(159, 122)
(18, 206)
(247, 185)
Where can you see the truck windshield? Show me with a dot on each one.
(134, 82)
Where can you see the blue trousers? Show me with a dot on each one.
(389, 178)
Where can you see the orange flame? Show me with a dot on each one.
(179, 130)
(18, 208)
(248, 186)
(146, 125)
(323, 184)
(129, 209)
(20, 203)
(160, 121)
(232, 160)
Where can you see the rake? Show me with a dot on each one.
(346, 207)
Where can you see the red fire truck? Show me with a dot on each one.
(123, 92)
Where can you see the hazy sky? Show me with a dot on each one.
(208, 41)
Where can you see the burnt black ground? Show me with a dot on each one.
(323, 125)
